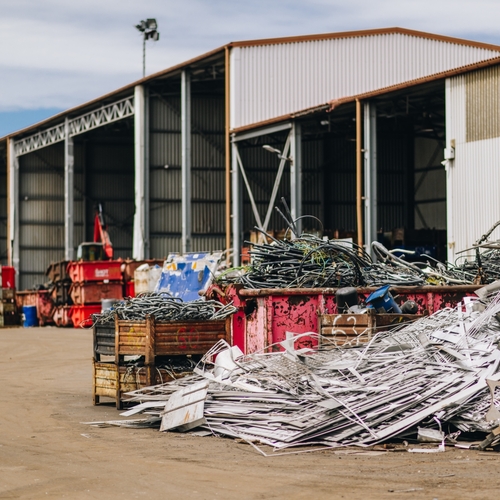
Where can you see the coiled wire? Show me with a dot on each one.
(164, 307)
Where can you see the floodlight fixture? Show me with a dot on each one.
(149, 29)
(276, 151)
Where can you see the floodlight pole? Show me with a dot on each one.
(144, 55)
(149, 29)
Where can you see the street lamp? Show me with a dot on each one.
(277, 152)
(149, 29)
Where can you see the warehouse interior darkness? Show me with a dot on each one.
(411, 179)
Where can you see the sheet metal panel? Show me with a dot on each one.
(165, 218)
(340, 184)
(312, 183)
(208, 174)
(431, 184)
(162, 246)
(209, 218)
(474, 176)
(41, 213)
(208, 243)
(3, 208)
(482, 101)
(274, 80)
(109, 179)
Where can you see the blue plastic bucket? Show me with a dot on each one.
(29, 316)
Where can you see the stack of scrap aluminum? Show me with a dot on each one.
(438, 367)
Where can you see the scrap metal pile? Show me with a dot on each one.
(436, 369)
(164, 307)
(312, 262)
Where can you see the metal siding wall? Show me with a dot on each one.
(482, 101)
(312, 183)
(432, 184)
(274, 80)
(79, 193)
(110, 181)
(474, 176)
(208, 243)
(208, 174)
(392, 165)
(165, 175)
(161, 247)
(3, 207)
(41, 213)
(340, 184)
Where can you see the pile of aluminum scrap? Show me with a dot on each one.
(436, 368)
(164, 307)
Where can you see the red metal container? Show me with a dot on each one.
(99, 270)
(94, 292)
(264, 316)
(61, 316)
(8, 277)
(80, 315)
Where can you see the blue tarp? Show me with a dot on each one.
(185, 275)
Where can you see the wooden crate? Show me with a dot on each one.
(112, 380)
(353, 329)
(150, 338)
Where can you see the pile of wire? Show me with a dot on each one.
(164, 307)
(311, 262)
(483, 269)
(305, 262)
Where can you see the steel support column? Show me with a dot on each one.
(237, 207)
(141, 236)
(186, 160)
(448, 165)
(69, 194)
(13, 196)
(296, 175)
(370, 174)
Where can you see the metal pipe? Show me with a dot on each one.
(359, 176)
(186, 159)
(448, 165)
(370, 175)
(9, 252)
(69, 194)
(14, 208)
(296, 175)
(138, 251)
(236, 204)
(227, 150)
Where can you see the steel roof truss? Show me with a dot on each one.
(84, 123)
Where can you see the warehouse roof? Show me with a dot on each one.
(218, 53)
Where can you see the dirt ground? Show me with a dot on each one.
(47, 452)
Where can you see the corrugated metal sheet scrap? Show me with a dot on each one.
(435, 369)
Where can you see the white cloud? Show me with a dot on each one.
(60, 53)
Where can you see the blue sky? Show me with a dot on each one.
(56, 54)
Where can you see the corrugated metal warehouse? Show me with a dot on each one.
(386, 134)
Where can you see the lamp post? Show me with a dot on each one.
(149, 29)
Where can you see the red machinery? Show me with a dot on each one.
(101, 233)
